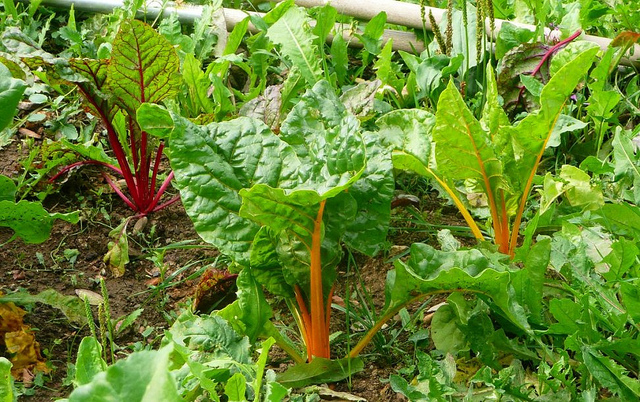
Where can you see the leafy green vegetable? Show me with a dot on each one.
(143, 376)
(11, 90)
(279, 205)
(89, 361)
(7, 390)
(319, 371)
(292, 32)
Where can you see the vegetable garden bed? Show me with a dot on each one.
(206, 203)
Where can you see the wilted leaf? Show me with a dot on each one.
(19, 342)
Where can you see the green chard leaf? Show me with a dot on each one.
(213, 163)
(143, 376)
(464, 149)
(429, 270)
(30, 221)
(11, 90)
(89, 361)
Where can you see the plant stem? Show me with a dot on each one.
(463, 210)
(319, 330)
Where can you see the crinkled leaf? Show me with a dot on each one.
(11, 90)
(373, 193)
(90, 77)
(213, 163)
(143, 67)
(521, 60)
(21, 45)
(359, 100)
(265, 265)
(325, 136)
(579, 190)
(30, 221)
(265, 107)
(430, 270)
(293, 33)
(319, 371)
(409, 131)
(292, 217)
(143, 376)
(210, 337)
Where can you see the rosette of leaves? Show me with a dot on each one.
(143, 68)
(499, 159)
(281, 205)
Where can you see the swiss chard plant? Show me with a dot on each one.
(490, 156)
(282, 205)
(143, 68)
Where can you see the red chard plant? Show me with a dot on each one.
(143, 68)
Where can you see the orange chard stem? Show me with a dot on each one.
(305, 325)
(319, 331)
(327, 313)
(503, 243)
(527, 189)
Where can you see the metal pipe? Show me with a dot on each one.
(409, 15)
(188, 14)
(400, 13)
